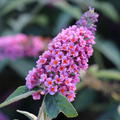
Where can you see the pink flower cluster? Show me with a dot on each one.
(58, 68)
(20, 45)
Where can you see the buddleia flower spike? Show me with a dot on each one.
(57, 69)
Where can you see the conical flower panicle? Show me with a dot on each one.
(57, 70)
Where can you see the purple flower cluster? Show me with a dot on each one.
(20, 45)
(58, 68)
(88, 20)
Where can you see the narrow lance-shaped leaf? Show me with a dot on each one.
(20, 93)
(14, 4)
(62, 22)
(110, 74)
(109, 50)
(73, 11)
(107, 9)
(27, 114)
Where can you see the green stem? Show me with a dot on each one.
(109, 74)
(41, 114)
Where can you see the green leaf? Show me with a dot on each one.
(42, 20)
(27, 114)
(2, 3)
(51, 107)
(65, 106)
(72, 10)
(108, 74)
(14, 4)
(19, 23)
(54, 104)
(107, 9)
(20, 93)
(62, 22)
(21, 66)
(109, 50)
(84, 99)
(111, 113)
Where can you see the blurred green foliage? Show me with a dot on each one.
(47, 18)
